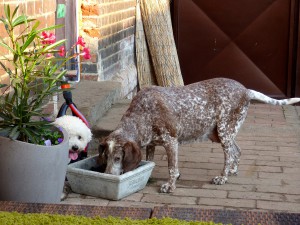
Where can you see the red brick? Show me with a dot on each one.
(90, 10)
(85, 76)
(30, 8)
(38, 7)
(92, 32)
(49, 6)
(50, 20)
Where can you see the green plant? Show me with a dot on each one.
(34, 74)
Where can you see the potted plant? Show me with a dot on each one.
(33, 153)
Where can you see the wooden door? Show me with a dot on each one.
(251, 41)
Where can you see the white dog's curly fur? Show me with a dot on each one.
(79, 134)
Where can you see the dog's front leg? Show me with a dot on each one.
(172, 154)
(150, 149)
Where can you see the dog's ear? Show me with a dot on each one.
(101, 148)
(132, 156)
(102, 160)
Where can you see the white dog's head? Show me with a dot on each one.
(79, 134)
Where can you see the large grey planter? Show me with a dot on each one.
(32, 173)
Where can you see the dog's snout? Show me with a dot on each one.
(75, 148)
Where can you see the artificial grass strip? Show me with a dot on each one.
(14, 218)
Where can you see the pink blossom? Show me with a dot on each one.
(48, 38)
(86, 53)
(80, 41)
(62, 51)
(49, 55)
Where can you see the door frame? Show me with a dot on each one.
(296, 66)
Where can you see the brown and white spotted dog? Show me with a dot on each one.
(168, 116)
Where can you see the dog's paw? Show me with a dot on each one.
(167, 188)
(219, 180)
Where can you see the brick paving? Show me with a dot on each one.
(269, 172)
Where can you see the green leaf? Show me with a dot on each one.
(15, 11)
(7, 11)
(31, 135)
(5, 22)
(36, 25)
(3, 85)
(5, 117)
(50, 28)
(14, 133)
(3, 66)
(29, 40)
(6, 46)
(4, 132)
(23, 19)
(60, 75)
(58, 43)
(19, 20)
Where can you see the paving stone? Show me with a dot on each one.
(226, 202)
(279, 206)
(200, 193)
(86, 201)
(290, 176)
(292, 198)
(230, 187)
(133, 204)
(256, 195)
(168, 199)
(283, 189)
(257, 181)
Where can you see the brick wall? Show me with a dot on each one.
(108, 26)
(43, 10)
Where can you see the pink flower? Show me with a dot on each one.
(62, 51)
(48, 38)
(86, 53)
(49, 55)
(80, 41)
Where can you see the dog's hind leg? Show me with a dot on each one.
(236, 153)
(228, 128)
(227, 148)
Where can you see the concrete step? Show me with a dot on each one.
(93, 99)
(111, 118)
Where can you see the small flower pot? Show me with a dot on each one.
(112, 187)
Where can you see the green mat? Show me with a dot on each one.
(14, 218)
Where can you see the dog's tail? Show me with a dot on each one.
(255, 95)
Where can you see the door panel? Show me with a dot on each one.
(246, 40)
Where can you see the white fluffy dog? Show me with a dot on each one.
(79, 134)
